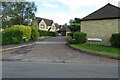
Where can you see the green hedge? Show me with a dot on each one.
(34, 33)
(80, 37)
(26, 30)
(70, 34)
(115, 40)
(71, 41)
(46, 33)
(11, 36)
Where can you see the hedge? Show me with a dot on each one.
(115, 40)
(71, 41)
(70, 34)
(26, 30)
(46, 33)
(11, 36)
(80, 37)
(34, 33)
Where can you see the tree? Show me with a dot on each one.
(71, 21)
(77, 20)
(74, 24)
(74, 27)
(18, 13)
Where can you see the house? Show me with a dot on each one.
(45, 24)
(64, 30)
(58, 27)
(101, 24)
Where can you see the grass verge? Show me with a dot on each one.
(106, 50)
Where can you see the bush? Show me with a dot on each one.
(71, 41)
(70, 34)
(34, 34)
(80, 37)
(26, 30)
(11, 36)
(74, 27)
(115, 40)
(46, 33)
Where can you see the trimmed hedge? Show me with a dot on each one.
(34, 33)
(11, 36)
(71, 41)
(80, 37)
(46, 33)
(26, 30)
(115, 40)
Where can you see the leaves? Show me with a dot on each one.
(18, 13)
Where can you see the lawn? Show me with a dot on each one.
(99, 49)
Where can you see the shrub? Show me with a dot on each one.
(74, 27)
(70, 34)
(46, 33)
(71, 41)
(80, 37)
(34, 34)
(11, 36)
(115, 40)
(26, 30)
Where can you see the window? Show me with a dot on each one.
(42, 26)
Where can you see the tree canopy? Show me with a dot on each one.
(75, 20)
(74, 24)
(18, 13)
(74, 27)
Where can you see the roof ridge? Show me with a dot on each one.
(44, 18)
(102, 13)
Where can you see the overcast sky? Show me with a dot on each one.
(61, 11)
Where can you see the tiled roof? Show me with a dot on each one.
(47, 21)
(65, 28)
(107, 12)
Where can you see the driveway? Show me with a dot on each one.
(54, 49)
(52, 58)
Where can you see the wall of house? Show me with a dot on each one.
(100, 29)
(53, 29)
(43, 23)
(67, 33)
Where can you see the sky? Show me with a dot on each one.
(61, 11)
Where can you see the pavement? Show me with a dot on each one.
(52, 58)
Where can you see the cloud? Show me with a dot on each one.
(75, 4)
(60, 18)
(46, 4)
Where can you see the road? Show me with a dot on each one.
(52, 58)
(58, 70)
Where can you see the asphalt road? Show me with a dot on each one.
(58, 70)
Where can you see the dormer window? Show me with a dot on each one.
(42, 26)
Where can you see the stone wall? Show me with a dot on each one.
(100, 29)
